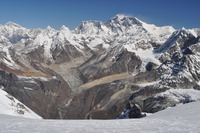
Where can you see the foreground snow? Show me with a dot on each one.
(11, 106)
(182, 119)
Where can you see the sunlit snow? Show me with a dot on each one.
(11, 106)
(181, 119)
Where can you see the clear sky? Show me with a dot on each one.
(55, 13)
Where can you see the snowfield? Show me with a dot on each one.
(11, 106)
(181, 119)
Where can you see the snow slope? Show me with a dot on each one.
(181, 119)
(11, 106)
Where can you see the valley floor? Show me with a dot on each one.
(181, 119)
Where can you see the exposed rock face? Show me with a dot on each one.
(113, 63)
(93, 71)
(47, 97)
(99, 102)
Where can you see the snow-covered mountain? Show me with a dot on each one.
(121, 28)
(99, 66)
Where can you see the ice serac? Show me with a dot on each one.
(94, 70)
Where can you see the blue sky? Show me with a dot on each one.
(55, 13)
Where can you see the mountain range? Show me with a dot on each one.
(91, 72)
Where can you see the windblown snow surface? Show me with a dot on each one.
(181, 119)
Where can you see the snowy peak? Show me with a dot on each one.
(123, 25)
(128, 21)
(129, 24)
(92, 28)
(64, 28)
(13, 32)
(176, 39)
(66, 32)
(117, 24)
(119, 17)
(49, 28)
(11, 28)
(125, 20)
(11, 24)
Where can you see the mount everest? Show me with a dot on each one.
(92, 71)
